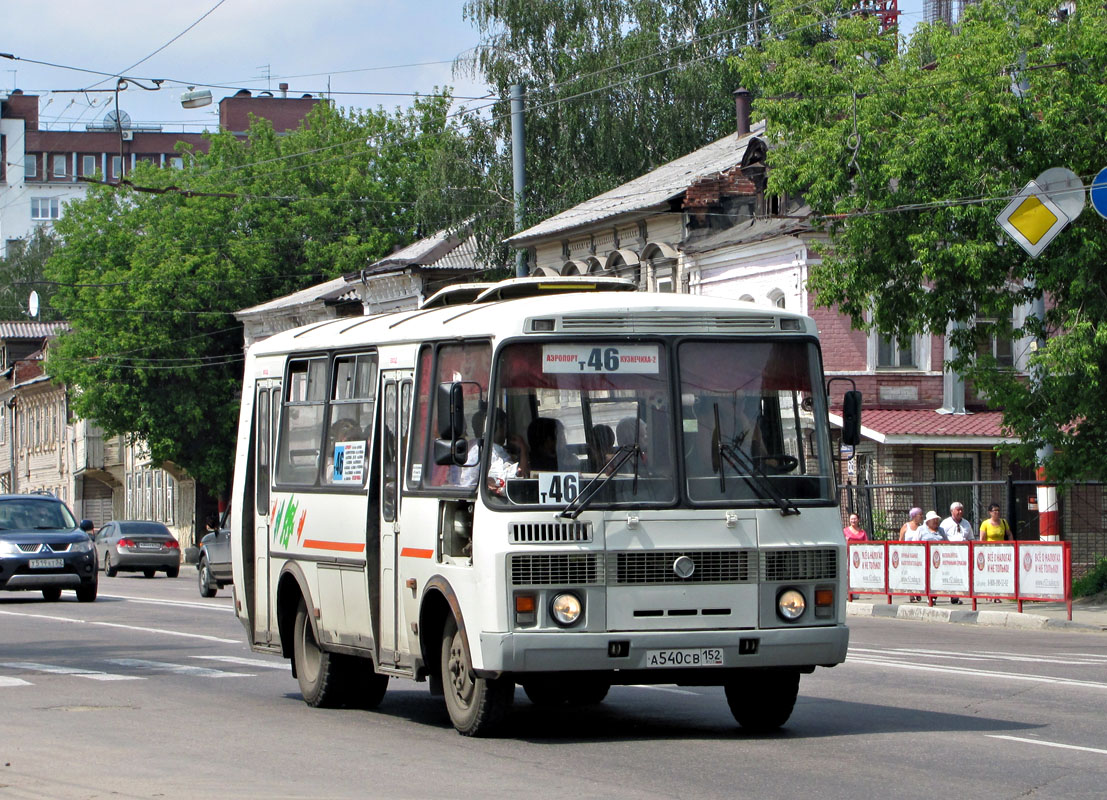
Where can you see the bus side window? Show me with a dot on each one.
(302, 422)
(261, 427)
(469, 364)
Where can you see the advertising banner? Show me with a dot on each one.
(866, 567)
(993, 573)
(907, 568)
(1041, 571)
(949, 569)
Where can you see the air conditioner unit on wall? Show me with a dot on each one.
(127, 135)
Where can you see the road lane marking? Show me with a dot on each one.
(663, 689)
(183, 603)
(6, 681)
(162, 631)
(978, 672)
(983, 656)
(1044, 743)
(91, 674)
(178, 669)
(249, 662)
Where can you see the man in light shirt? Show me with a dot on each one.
(956, 527)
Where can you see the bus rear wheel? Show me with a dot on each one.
(476, 705)
(319, 673)
(763, 701)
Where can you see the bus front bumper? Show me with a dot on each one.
(562, 651)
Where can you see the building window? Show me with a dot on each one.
(170, 500)
(3, 422)
(45, 208)
(116, 166)
(176, 162)
(1000, 344)
(776, 298)
(891, 353)
(88, 165)
(59, 166)
(30, 165)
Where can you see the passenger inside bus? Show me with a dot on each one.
(546, 440)
(602, 447)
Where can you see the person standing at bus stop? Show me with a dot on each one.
(995, 529)
(854, 532)
(956, 527)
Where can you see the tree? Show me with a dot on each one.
(21, 272)
(149, 277)
(614, 87)
(907, 154)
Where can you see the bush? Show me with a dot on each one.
(1092, 582)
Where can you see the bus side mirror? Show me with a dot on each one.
(451, 411)
(451, 452)
(851, 418)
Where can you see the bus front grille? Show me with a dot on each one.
(812, 564)
(556, 569)
(652, 566)
(550, 532)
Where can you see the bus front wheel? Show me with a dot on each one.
(476, 705)
(319, 672)
(763, 701)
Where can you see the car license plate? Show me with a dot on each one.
(149, 546)
(703, 657)
(47, 563)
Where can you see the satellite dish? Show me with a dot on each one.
(32, 305)
(124, 120)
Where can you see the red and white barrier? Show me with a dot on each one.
(1016, 571)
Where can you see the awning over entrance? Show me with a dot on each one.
(924, 427)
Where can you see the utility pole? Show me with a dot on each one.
(518, 171)
(1048, 527)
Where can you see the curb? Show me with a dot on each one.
(1002, 619)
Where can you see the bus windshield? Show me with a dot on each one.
(752, 421)
(567, 413)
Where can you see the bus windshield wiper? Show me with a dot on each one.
(584, 499)
(744, 464)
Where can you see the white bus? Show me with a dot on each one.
(544, 486)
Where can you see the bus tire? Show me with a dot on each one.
(589, 694)
(366, 687)
(476, 705)
(319, 673)
(763, 701)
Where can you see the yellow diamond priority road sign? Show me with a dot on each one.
(1032, 219)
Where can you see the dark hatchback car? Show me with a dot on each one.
(42, 549)
(138, 546)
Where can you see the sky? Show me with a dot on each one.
(346, 46)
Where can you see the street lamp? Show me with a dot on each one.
(123, 83)
(196, 98)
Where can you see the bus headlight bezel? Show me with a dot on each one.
(790, 604)
(566, 609)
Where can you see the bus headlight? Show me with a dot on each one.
(790, 604)
(566, 609)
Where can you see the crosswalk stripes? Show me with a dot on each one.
(91, 674)
(178, 669)
(132, 669)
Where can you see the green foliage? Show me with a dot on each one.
(1092, 582)
(883, 529)
(614, 88)
(149, 281)
(906, 154)
(21, 271)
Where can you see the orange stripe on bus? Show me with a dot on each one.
(412, 552)
(350, 547)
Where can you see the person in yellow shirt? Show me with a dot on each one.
(995, 529)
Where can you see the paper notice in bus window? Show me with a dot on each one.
(349, 462)
(601, 359)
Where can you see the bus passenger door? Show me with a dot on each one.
(395, 410)
(266, 407)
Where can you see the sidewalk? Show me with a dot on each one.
(1087, 616)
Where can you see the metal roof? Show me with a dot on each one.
(921, 426)
(31, 330)
(330, 290)
(647, 191)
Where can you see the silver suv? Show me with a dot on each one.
(43, 549)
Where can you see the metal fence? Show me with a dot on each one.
(1082, 510)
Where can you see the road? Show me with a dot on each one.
(150, 692)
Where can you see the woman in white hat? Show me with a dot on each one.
(932, 530)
